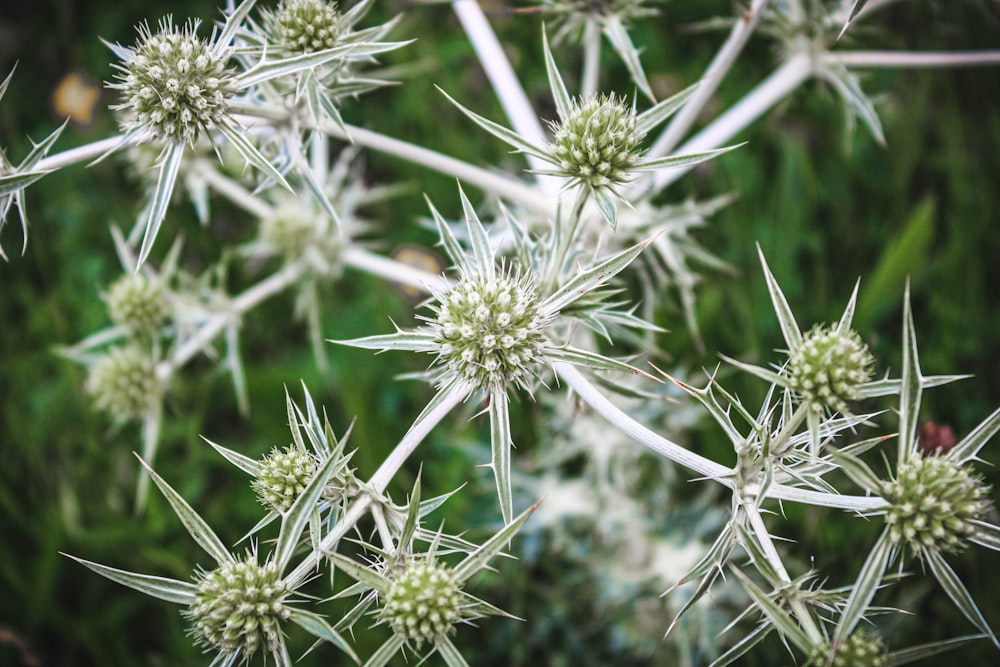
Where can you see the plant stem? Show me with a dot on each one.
(81, 153)
(591, 59)
(796, 70)
(922, 59)
(710, 80)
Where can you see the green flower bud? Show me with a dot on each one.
(423, 602)
(597, 142)
(284, 474)
(174, 84)
(123, 382)
(138, 304)
(862, 649)
(292, 229)
(932, 502)
(239, 608)
(828, 367)
(490, 330)
(304, 26)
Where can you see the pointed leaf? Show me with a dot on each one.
(844, 325)
(251, 154)
(478, 237)
(16, 182)
(868, 581)
(655, 115)
(248, 465)
(914, 653)
(412, 521)
(618, 36)
(958, 593)
(592, 278)
(479, 558)
(171, 590)
(592, 360)
(606, 205)
(910, 389)
(789, 328)
(784, 623)
(502, 133)
(857, 470)
(451, 655)
(317, 626)
(195, 525)
(232, 24)
(294, 520)
(682, 160)
(559, 93)
(170, 165)
(970, 445)
(500, 444)
(414, 341)
(448, 241)
(386, 651)
(986, 535)
(365, 575)
(745, 644)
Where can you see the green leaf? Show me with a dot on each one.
(903, 255)
(868, 581)
(969, 447)
(682, 160)
(911, 387)
(412, 521)
(170, 164)
(479, 558)
(560, 95)
(232, 24)
(448, 241)
(195, 525)
(504, 134)
(986, 535)
(857, 470)
(500, 444)
(248, 465)
(385, 652)
(593, 360)
(16, 182)
(294, 520)
(618, 36)
(414, 341)
(163, 588)
(914, 653)
(784, 623)
(251, 154)
(478, 238)
(451, 655)
(361, 573)
(786, 320)
(317, 626)
(592, 278)
(958, 593)
(743, 645)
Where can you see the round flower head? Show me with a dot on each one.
(304, 26)
(596, 143)
(423, 602)
(123, 382)
(138, 304)
(239, 607)
(174, 84)
(292, 229)
(861, 649)
(489, 329)
(932, 502)
(284, 473)
(828, 367)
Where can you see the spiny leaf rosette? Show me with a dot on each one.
(596, 142)
(423, 602)
(829, 366)
(862, 649)
(284, 473)
(239, 607)
(174, 84)
(489, 329)
(304, 26)
(123, 382)
(932, 502)
(139, 304)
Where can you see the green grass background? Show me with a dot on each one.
(825, 207)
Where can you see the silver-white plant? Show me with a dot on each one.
(549, 295)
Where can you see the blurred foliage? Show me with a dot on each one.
(826, 206)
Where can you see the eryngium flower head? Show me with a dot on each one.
(174, 84)
(489, 329)
(828, 367)
(596, 143)
(423, 602)
(283, 475)
(932, 502)
(239, 607)
(123, 382)
(303, 26)
(862, 649)
(139, 304)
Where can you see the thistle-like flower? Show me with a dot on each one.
(303, 26)
(596, 142)
(139, 304)
(239, 607)
(422, 597)
(862, 649)
(283, 474)
(177, 86)
(494, 329)
(123, 382)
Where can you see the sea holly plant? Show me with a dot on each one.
(239, 607)
(494, 330)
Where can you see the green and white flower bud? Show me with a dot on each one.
(303, 26)
(174, 84)
(291, 230)
(284, 474)
(862, 649)
(489, 329)
(138, 304)
(597, 142)
(239, 607)
(827, 369)
(932, 502)
(423, 602)
(123, 382)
